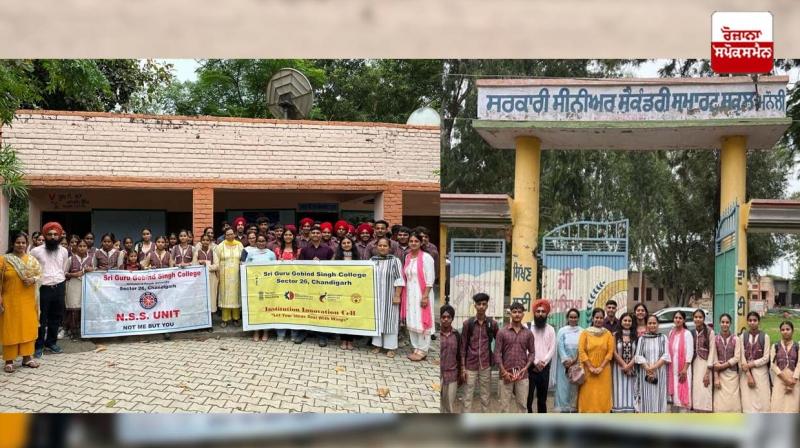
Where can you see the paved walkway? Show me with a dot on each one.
(218, 373)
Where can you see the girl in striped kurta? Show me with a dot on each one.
(204, 255)
(389, 278)
(228, 253)
(725, 359)
(652, 357)
(754, 363)
(701, 365)
(79, 264)
(566, 399)
(681, 352)
(785, 372)
(624, 372)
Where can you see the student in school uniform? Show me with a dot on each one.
(238, 226)
(172, 241)
(131, 262)
(754, 366)
(317, 251)
(381, 230)
(785, 372)
(127, 246)
(450, 363)
(258, 253)
(477, 334)
(144, 247)
(346, 252)
(204, 255)
(724, 359)
(79, 264)
(277, 236)
(159, 257)
(89, 238)
(514, 354)
(106, 258)
(183, 253)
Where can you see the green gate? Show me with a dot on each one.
(726, 241)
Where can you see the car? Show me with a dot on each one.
(665, 316)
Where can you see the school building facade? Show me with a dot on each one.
(119, 172)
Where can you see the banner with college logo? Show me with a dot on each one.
(125, 303)
(326, 296)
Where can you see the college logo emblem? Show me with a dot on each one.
(148, 300)
(355, 298)
(289, 295)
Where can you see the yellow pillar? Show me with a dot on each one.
(525, 219)
(442, 262)
(733, 179)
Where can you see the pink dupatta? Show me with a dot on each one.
(427, 321)
(683, 388)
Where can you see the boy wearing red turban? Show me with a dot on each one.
(363, 240)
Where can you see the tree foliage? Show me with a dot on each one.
(670, 197)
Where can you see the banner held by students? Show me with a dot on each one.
(332, 297)
(125, 303)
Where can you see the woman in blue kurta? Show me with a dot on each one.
(566, 355)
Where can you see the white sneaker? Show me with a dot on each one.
(60, 333)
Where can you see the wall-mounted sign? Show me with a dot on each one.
(67, 201)
(741, 42)
(616, 100)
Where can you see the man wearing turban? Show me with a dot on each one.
(363, 240)
(327, 236)
(238, 226)
(544, 341)
(52, 257)
(340, 229)
(305, 231)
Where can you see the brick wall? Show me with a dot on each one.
(202, 210)
(55, 143)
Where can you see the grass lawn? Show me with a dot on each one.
(770, 324)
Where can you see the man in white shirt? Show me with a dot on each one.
(544, 340)
(54, 259)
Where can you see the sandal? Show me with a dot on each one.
(31, 364)
(390, 354)
(223, 324)
(349, 345)
(255, 336)
(375, 350)
(265, 336)
(9, 368)
(343, 345)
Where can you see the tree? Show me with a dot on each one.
(671, 198)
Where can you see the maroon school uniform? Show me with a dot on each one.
(143, 254)
(205, 256)
(363, 250)
(181, 255)
(158, 262)
(105, 261)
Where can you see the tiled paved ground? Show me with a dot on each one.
(228, 374)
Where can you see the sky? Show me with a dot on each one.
(185, 71)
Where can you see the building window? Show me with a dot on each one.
(764, 295)
(649, 294)
(635, 294)
(660, 294)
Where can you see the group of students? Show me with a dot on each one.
(620, 364)
(405, 261)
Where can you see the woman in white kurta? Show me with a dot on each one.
(754, 363)
(702, 384)
(228, 255)
(724, 358)
(681, 351)
(204, 255)
(417, 297)
(785, 372)
(566, 399)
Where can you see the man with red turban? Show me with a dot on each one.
(340, 230)
(52, 256)
(544, 341)
(363, 240)
(326, 229)
(305, 229)
(238, 226)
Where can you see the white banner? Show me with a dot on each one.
(125, 303)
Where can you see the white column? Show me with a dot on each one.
(379, 206)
